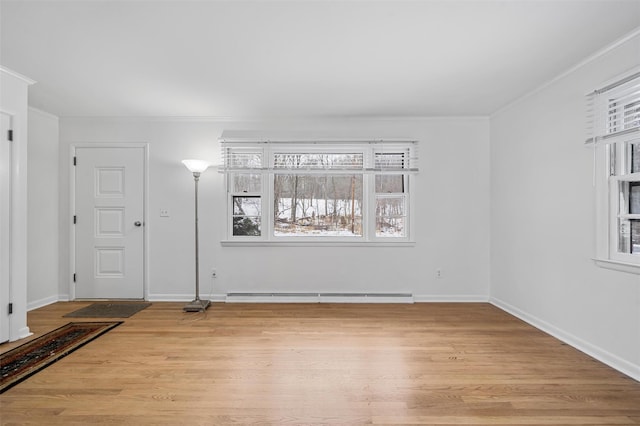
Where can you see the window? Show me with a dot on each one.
(339, 192)
(245, 192)
(390, 194)
(615, 138)
(625, 200)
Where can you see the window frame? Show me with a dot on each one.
(268, 171)
(231, 193)
(406, 185)
(612, 166)
(617, 177)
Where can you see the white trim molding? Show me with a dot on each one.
(586, 61)
(43, 302)
(17, 75)
(451, 298)
(618, 266)
(319, 297)
(159, 297)
(629, 368)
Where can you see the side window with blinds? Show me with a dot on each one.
(625, 198)
(390, 184)
(615, 137)
(244, 181)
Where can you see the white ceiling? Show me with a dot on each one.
(299, 58)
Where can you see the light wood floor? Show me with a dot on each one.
(320, 364)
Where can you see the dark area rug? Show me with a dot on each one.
(26, 360)
(109, 310)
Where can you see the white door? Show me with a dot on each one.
(109, 217)
(5, 226)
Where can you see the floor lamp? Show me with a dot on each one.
(196, 167)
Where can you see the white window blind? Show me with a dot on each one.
(400, 157)
(614, 112)
(301, 161)
(242, 159)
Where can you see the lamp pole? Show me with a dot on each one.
(197, 304)
(196, 178)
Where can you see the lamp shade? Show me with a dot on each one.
(196, 166)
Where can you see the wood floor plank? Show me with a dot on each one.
(284, 364)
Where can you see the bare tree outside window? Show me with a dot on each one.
(247, 213)
(317, 205)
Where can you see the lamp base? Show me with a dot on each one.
(197, 305)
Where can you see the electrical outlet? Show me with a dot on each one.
(214, 273)
(164, 213)
(438, 273)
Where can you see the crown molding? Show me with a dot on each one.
(44, 113)
(296, 120)
(591, 58)
(17, 75)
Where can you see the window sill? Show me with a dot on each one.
(618, 266)
(228, 243)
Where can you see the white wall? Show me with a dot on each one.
(452, 212)
(542, 219)
(42, 243)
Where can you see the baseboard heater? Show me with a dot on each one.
(320, 297)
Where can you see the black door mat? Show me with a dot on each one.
(26, 360)
(109, 310)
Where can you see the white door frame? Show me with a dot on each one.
(145, 200)
(7, 287)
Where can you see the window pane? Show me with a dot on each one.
(314, 205)
(389, 184)
(247, 206)
(629, 236)
(247, 212)
(247, 226)
(635, 157)
(634, 197)
(624, 232)
(245, 182)
(390, 216)
(318, 161)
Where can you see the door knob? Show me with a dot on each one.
(137, 223)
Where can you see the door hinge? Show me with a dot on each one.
(75, 219)
(10, 308)
(10, 135)
(75, 161)
(74, 277)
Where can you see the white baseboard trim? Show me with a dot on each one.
(317, 297)
(365, 299)
(23, 332)
(35, 304)
(271, 299)
(630, 369)
(320, 298)
(450, 298)
(184, 297)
